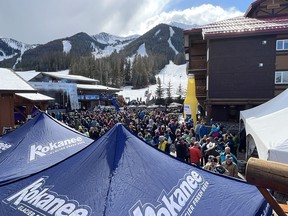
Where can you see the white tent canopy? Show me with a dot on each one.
(268, 125)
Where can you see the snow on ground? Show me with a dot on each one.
(175, 74)
(66, 46)
(169, 41)
(142, 50)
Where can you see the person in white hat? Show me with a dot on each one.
(211, 149)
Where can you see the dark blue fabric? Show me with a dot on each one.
(119, 174)
(36, 145)
(115, 104)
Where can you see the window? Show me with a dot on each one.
(282, 44)
(281, 77)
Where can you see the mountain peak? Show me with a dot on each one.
(14, 44)
(110, 39)
(162, 40)
(182, 25)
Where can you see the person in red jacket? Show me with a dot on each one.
(195, 154)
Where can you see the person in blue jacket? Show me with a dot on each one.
(227, 151)
(203, 130)
(214, 131)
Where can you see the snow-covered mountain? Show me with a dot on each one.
(162, 40)
(16, 44)
(10, 48)
(110, 39)
(112, 43)
(182, 25)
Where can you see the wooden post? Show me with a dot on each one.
(267, 174)
(271, 175)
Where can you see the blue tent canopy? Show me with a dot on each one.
(36, 145)
(119, 174)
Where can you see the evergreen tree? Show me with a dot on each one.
(127, 72)
(140, 76)
(169, 93)
(106, 71)
(180, 93)
(135, 74)
(179, 59)
(93, 69)
(121, 73)
(159, 92)
(100, 69)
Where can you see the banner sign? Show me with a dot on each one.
(70, 88)
(187, 109)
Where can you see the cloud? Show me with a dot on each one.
(39, 21)
(201, 15)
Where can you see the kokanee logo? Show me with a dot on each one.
(50, 148)
(175, 201)
(4, 146)
(38, 200)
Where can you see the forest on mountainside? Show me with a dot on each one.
(118, 71)
(126, 66)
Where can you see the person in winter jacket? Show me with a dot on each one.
(162, 143)
(203, 130)
(182, 149)
(195, 154)
(214, 131)
(230, 166)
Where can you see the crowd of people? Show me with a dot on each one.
(211, 149)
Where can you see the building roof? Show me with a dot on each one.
(35, 96)
(245, 25)
(252, 7)
(12, 83)
(96, 87)
(58, 75)
(27, 75)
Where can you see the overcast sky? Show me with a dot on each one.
(41, 21)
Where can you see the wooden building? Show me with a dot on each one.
(30, 101)
(240, 62)
(10, 84)
(70, 91)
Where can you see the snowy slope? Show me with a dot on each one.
(16, 45)
(112, 42)
(176, 74)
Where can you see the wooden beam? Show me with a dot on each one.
(271, 200)
(268, 174)
(284, 207)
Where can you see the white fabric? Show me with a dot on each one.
(268, 125)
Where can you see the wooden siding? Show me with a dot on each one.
(6, 111)
(270, 8)
(235, 70)
(282, 62)
(197, 52)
